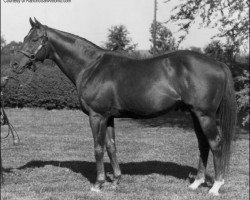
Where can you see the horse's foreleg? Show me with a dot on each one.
(204, 151)
(98, 125)
(208, 124)
(111, 149)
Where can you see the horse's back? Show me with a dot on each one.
(180, 75)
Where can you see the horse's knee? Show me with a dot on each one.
(211, 132)
(98, 151)
(216, 143)
(111, 147)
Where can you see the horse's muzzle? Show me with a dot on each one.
(16, 67)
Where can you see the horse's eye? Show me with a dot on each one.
(34, 39)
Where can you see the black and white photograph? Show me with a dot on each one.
(124, 100)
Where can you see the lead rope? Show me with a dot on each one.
(5, 121)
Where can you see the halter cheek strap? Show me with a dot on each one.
(36, 51)
(32, 56)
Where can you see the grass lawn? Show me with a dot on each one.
(55, 160)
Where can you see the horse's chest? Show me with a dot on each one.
(97, 97)
(84, 106)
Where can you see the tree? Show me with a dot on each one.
(243, 96)
(231, 17)
(3, 42)
(118, 40)
(196, 49)
(224, 53)
(164, 39)
(215, 50)
(9, 48)
(7, 51)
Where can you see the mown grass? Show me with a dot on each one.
(55, 160)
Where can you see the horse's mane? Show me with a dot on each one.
(76, 37)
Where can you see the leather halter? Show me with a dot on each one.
(32, 56)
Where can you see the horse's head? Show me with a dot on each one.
(35, 48)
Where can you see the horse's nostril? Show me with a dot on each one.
(14, 64)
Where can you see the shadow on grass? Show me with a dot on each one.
(183, 120)
(171, 119)
(87, 169)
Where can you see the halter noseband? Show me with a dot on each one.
(32, 56)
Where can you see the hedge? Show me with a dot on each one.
(49, 89)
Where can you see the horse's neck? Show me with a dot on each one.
(72, 54)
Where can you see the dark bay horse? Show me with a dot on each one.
(111, 85)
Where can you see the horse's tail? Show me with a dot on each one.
(228, 116)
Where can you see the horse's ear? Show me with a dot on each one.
(38, 24)
(32, 23)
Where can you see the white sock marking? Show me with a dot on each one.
(216, 186)
(94, 189)
(196, 183)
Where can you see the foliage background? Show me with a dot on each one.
(49, 88)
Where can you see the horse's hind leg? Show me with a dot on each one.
(1, 172)
(204, 151)
(111, 149)
(208, 125)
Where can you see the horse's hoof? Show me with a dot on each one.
(216, 187)
(16, 142)
(95, 189)
(196, 184)
(114, 185)
(116, 182)
(214, 193)
(192, 187)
